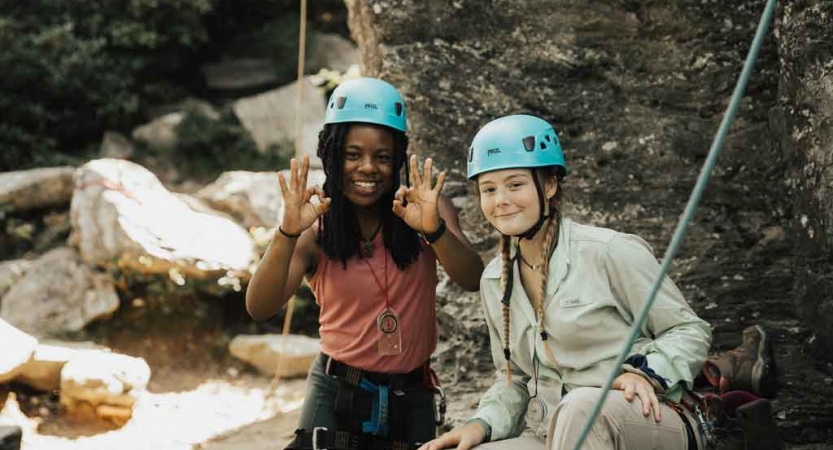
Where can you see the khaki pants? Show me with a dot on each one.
(620, 426)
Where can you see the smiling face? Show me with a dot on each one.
(509, 199)
(368, 164)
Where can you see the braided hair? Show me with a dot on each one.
(338, 229)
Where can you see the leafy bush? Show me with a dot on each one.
(73, 69)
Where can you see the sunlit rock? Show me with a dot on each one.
(270, 117)
(121, 214)
(289, 356)
(17, 349)
(37, 188)
(107, 383)
(59, 294)
(254, 198)
(43, 370)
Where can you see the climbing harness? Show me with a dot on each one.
(686, 219)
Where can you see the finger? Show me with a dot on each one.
(655, 405)
(427, 174)
(399, 208)
(642, 393)
(293, 174)
(282, 183)
(440, 181)
(323, 207)
(629, 390)
(400, 193)
(304, 172)
(415, 178)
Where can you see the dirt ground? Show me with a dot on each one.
(182, 410)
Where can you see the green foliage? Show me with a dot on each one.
(73, 69)
(206, 146)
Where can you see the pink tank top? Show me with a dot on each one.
(351, 300)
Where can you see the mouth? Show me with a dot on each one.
(366, 184)
(506, 216)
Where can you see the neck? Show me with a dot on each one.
(531, 248)
(368, 219)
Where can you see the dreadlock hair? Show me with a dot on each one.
(338, 229)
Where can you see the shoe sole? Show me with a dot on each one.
(763, 382)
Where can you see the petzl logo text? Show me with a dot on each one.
(370, 106)
(492, 151)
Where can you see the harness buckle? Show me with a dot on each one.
(315, 432)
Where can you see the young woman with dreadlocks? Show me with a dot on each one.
(368, 248)
(559, 301)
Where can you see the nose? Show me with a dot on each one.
(366, 165)
(501, 197)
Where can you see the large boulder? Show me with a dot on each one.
(18, 348)
(270, 117)
(122, 215)
(287, 356)
(43, 370)
(37, 188)
(254, 198)
(59, 294)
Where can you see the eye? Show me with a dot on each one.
(351, 156)
(384, 157)
(516, 185)
(487, 190)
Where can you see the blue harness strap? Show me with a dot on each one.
(378, 424)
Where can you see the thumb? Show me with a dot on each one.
(398, 209)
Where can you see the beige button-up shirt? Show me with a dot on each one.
(598, 280)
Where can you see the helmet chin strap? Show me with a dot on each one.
(530, 233)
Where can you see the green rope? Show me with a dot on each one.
(691, 207)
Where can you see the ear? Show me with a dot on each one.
(550, 187)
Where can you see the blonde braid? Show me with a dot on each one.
(505, 242)
(550, 242)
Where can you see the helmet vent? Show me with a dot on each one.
(471, 153)
(398, 107)
(547, 137)
(341, 101)
(332, 105)
(529, 143)
(543, 145)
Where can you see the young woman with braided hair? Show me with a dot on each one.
(369, 250)
(559, 302)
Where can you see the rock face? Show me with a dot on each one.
(636, 92)
(804, 118)
(121, 214)
(59, 294)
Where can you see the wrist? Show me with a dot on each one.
(432, 237)
(288, 234)
(487, 429)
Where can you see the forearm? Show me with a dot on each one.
(462, 264)
(266, 293)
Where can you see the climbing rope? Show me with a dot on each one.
(299, 150)
(691, 208)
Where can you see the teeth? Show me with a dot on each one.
(365, 184)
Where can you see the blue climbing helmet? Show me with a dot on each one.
(517, 142)
(514, 142)
(367, 100)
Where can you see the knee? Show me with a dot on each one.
(579, 402)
